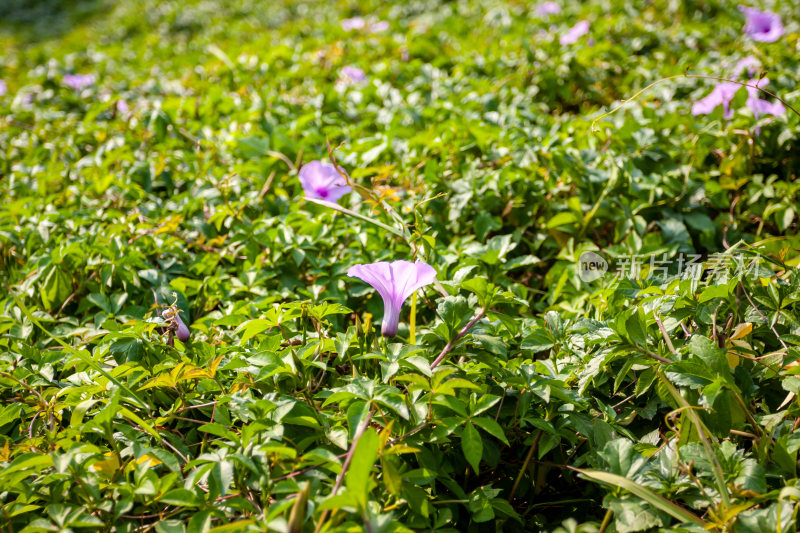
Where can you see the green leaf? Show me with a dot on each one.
(711, 355)
(714, 291)
(491, 427)
(127, 349)
(170, 526)
(472, 446)
(220, 431)
(358, 475)
(391, 477)
(181, 498)
(562, 219)
(644, 493)
(636, 329)
(222, 476)
(251, 328)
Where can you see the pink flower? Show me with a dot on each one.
(355, 23)
(395, 282)
(723, 93)
(379, 26)
(354, 74)
(749, 63)
(574, 33)
(763, 26)
(548, 8)
(321, 181)
(760, 106)
(3, 88)
(122, 107)
(79, 81)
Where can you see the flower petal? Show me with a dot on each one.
(723, 93)
(749, 63)
(408, 277)
(548, 8)
(395, 282)
(763, 26)
(322, 181)
(575, 33)
(376, 274)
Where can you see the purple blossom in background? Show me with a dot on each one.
(122, 107)
(355, 23)
(722, 94)
(78, 81)
(395, 282)
(762, 26)
(321, 181)
(3, 88)
(548, 8)
(574, 33)
(354, 74)
(379, 26)
(759, 106)
(749, 63)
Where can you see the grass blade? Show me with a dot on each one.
(659, 502)
(337, 207)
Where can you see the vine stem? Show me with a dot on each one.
(347, 459)
(450, 345)
(696, 76)
(525, 465)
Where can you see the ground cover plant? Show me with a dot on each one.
(397, 266)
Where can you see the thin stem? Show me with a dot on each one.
(209, 404)
(296, 473)
(654, 356)
(348, 458)
(450, 345)
(525, 465)
(664, 334)
(278, 155)
(764, 317)
(606, 521)
(697, 76)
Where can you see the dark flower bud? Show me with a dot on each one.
(183, 332)
(176, 324)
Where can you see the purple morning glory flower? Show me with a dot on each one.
(355, 23)
(749, 63)
(723, 93)
(762, 26)
(379, 26)
(321, 181)
(3, 88)
(395, 282)
(759, 106)
(78, 81)
(354, 74)
(575, 33)
(548, 8)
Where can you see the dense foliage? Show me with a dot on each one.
(519, 394)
